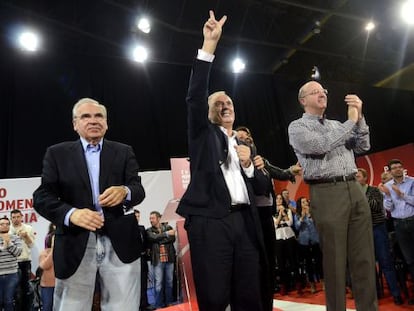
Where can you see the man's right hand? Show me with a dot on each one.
(86, 218)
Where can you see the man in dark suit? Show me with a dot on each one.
(221, 220)
(86, 187)
(144, 304)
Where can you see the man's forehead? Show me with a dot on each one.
(223, 98)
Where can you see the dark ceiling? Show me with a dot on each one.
(281, 37)
(85, 54)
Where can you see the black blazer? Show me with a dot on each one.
(65, 184)
(207, 194)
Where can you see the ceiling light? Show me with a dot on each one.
(144, 25)
(140, 54)
(238, 65)
(369, 26)
(315, 73)
(28, 41)
(407, 12)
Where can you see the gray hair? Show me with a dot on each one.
(212, 99)
(87, 100)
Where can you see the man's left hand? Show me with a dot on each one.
(112, 196)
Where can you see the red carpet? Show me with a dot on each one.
(385, 304)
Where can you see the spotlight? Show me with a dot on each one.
(317, 28)
(139, 54)
(238, 65)
(315, 74)
(407, 12)
(369, 26)
(28, 41)
(144, 25)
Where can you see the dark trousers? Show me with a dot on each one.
(225, 262)
(384, 258)
(343, 219)
(24, 296)
(287, 260)
(404, 232)
(144, 282)
(311, 257)
(269, 237)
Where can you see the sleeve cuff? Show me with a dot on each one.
(249, 171)
(67, 217)
(203, 55)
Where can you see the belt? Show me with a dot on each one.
(100, 231)
(238, 207)
(330, 179)
(409, 218)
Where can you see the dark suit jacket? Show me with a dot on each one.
(65, 184)
(207, 194)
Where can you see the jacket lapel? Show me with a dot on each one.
(80, 163)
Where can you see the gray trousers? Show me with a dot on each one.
(343, 219)
(119, 282)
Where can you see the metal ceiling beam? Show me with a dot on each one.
(321, 10)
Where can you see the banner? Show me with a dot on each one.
(17, 194)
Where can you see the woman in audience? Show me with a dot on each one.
(285, 245)
(47, 280)
(309, 252)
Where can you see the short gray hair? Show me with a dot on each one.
(87, 100)
(212, 99)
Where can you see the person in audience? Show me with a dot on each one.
(266, 207)
(87, 188)
(26, 233)
(325, 150)
(161, 238)
(309, 252)
(10, 248)
(144, 304)
(399, 200)
(381, 241)
(290, 203)
(227, 252)
(285, 246)
(47, 279)
(50, 232)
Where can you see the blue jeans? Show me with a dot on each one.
(8, 285)
(163, 277)
(383, 256)
(47, 298)
(120, 283)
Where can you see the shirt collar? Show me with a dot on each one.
(395, 183)
(85, 144)
(314, 117)
(233, 135)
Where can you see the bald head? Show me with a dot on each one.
(313, 98)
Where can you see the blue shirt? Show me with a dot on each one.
(400, 207)
(92, 156)
(307, 233)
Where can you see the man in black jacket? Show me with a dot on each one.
(221, 220)
(161, 238)
(86, 187)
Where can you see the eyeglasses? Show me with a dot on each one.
(316, 92)
(88, 117)
(4, 224)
